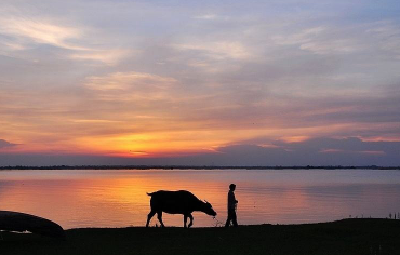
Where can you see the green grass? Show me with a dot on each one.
(350, 236)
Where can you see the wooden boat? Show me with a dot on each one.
(20, 222)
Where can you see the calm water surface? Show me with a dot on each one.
(117, 198)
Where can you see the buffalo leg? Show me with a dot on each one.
(151, 214)
(191, 220)
(185, 216)
(159, 216)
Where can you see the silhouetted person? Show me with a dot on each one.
(232, 202)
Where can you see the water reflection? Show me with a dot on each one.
(117, 198)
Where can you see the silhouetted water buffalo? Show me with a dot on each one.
(177, 202)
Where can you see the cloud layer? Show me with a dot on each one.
(177, 79)
(4, 144)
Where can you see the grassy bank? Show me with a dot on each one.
(350, 236)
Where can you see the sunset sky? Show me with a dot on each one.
(200, 82)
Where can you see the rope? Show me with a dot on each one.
(218, 224)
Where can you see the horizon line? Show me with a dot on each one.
(199, 167)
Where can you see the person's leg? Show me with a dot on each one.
(228, 220)
(234, 219)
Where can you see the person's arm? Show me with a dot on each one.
(234, 198)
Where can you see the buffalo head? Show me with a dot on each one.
(207, 209)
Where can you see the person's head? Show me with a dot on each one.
(232, 187)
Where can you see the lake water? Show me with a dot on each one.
(117, 198)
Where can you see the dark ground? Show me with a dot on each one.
(349, 236)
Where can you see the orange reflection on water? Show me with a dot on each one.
(117, 198)
(112, 199)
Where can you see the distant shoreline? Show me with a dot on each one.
(194, 167)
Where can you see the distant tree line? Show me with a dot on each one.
(195, 167)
